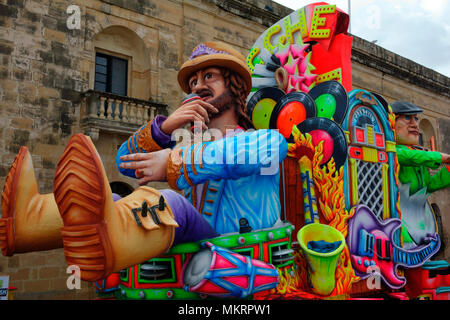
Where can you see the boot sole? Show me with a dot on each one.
(7, 238)
(80, 195)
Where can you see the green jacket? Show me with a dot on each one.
(414, 166)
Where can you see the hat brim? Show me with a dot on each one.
(213, 60)
(408, 113)
(405, 108)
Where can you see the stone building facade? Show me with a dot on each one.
(50, 53)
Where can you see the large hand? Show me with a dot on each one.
(149, 166)
(196, 110)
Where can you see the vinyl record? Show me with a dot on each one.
(382, 101)
(291, 110)
(323, 128)
(331, 100)
(261, 105)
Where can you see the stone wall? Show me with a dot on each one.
(46, 67)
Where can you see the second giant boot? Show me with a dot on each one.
(101, 236)
(30, 221)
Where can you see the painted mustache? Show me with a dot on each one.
(205, 93)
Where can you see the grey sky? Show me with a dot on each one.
(415, 29)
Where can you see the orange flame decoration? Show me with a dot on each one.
(302, 143)
(329, 184)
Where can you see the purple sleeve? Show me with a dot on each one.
(162, 139)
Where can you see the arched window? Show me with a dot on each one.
(122, 63)
(427, 131)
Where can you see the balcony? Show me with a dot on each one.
(102, 111)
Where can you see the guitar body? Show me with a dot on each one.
(367, 265)
(373, 250)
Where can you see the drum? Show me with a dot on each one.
(108, 285)
(219, 272)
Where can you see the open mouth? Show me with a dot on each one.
(206, 95)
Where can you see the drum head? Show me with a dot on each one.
(197, 267)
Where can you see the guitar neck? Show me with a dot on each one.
(417, 257)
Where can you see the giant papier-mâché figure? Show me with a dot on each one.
(416, 183)
(224, 180)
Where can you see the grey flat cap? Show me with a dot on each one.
(403, 107)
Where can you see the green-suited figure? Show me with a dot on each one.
(416, 183)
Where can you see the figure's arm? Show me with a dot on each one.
(257, 152)
(418, 158)
(157, 134)
(149, 138)
(440, 180)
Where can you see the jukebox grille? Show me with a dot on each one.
(370, 186)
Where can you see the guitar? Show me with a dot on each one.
(371, 244)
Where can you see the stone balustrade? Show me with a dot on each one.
(116, 114)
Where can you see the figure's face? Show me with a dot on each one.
(209, 84)
(407, 129)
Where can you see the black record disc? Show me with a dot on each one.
(291, 110)
(261, 105)
(382, 101)
(325, 107)
(334, 130)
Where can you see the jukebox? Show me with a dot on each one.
(369, 176)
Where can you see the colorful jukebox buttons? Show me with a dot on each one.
(331, 100)
(261, 105)
(291, 110)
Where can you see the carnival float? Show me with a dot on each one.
(346, 232)
(348, 227)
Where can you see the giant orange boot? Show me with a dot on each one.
(101, 236)
(30, 221)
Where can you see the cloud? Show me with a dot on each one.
(410, 31)
(435, 7)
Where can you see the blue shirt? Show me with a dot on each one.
(239, 175)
